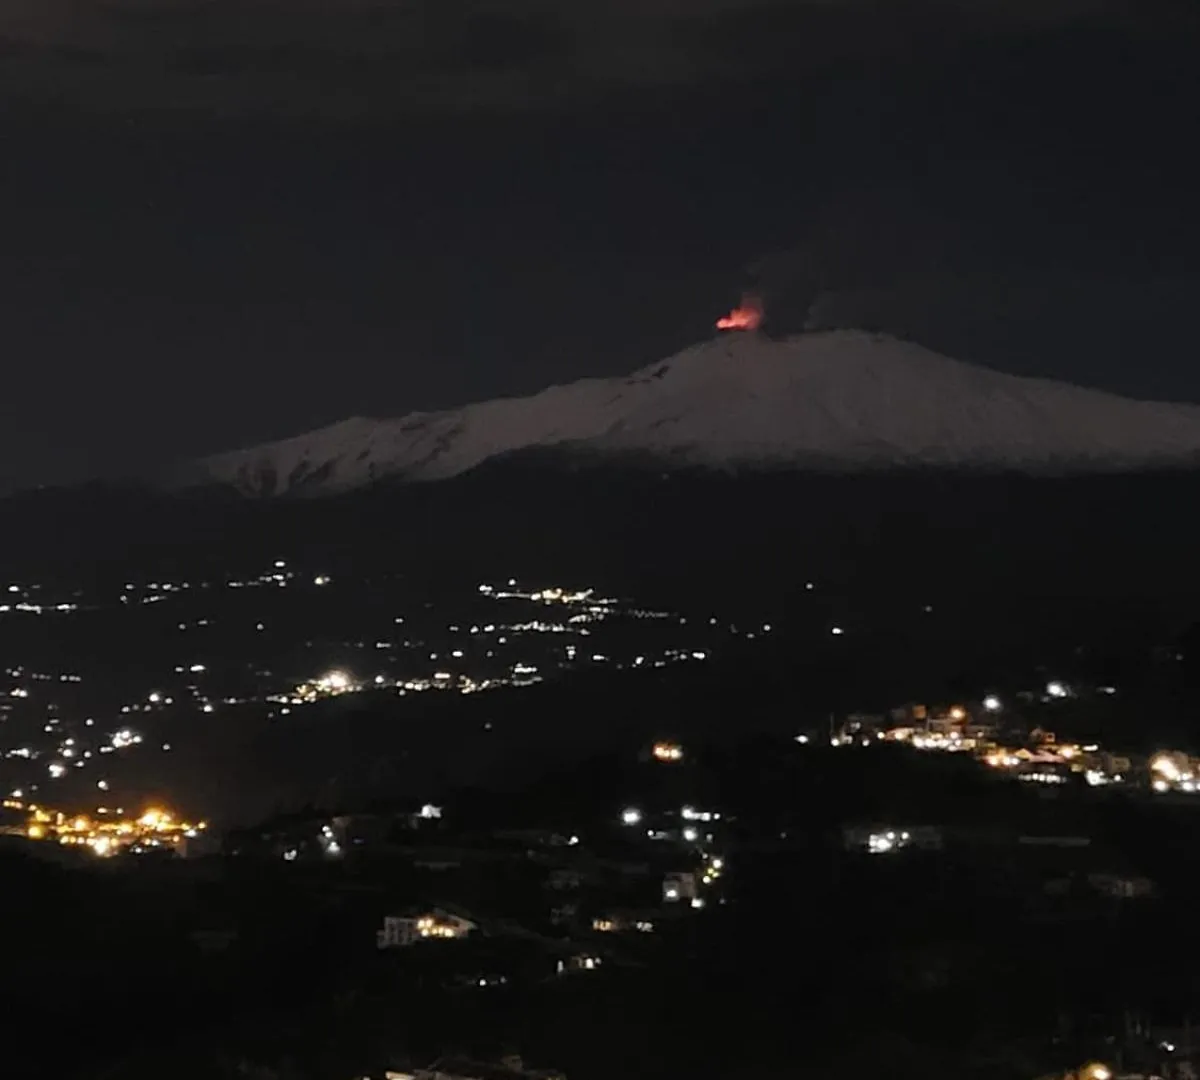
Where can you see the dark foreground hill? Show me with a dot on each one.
(924, 533)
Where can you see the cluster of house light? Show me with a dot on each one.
(631, 815)
(667, 751)
(607, 926)
(583, 962)
(883, 843)
(951, 733)
(336, 683)
(330, 684)
(952, 743)
(70, 753)
(552, 595)
(107, 832)
(25, 604)
(430, 927)
(1042, 777)
(1080, 759)
(1174, 771)
(37, 609)
(277, 575)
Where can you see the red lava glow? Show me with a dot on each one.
(748, 315)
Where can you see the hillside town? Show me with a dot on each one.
(212, 658)
(596, 882)
(620, 889)
(993, 737)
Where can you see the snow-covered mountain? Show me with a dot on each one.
(836, 401)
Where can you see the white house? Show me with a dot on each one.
(579, 962)
(1122, 886)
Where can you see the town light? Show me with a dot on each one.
(1165, 767)
(336, 680)
(107, 835)
(668, 751)
(631, 815)
(991, 703)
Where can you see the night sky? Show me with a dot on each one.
(226, 221)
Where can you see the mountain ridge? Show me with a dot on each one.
(829, 401)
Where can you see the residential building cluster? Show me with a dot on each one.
(105, 832)
(995, 739)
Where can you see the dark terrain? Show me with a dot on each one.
(946, 585)
(751, 535)
(972, 961)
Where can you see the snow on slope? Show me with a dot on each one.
(842, 400)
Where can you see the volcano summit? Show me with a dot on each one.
(840, 401)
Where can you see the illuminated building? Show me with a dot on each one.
(618, 922)
(400, 931)
(579, 962)
(999, 757)
(667, 751)
(1174, 771)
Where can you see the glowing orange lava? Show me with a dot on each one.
(748, 315)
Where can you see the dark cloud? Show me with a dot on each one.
(366, 57)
